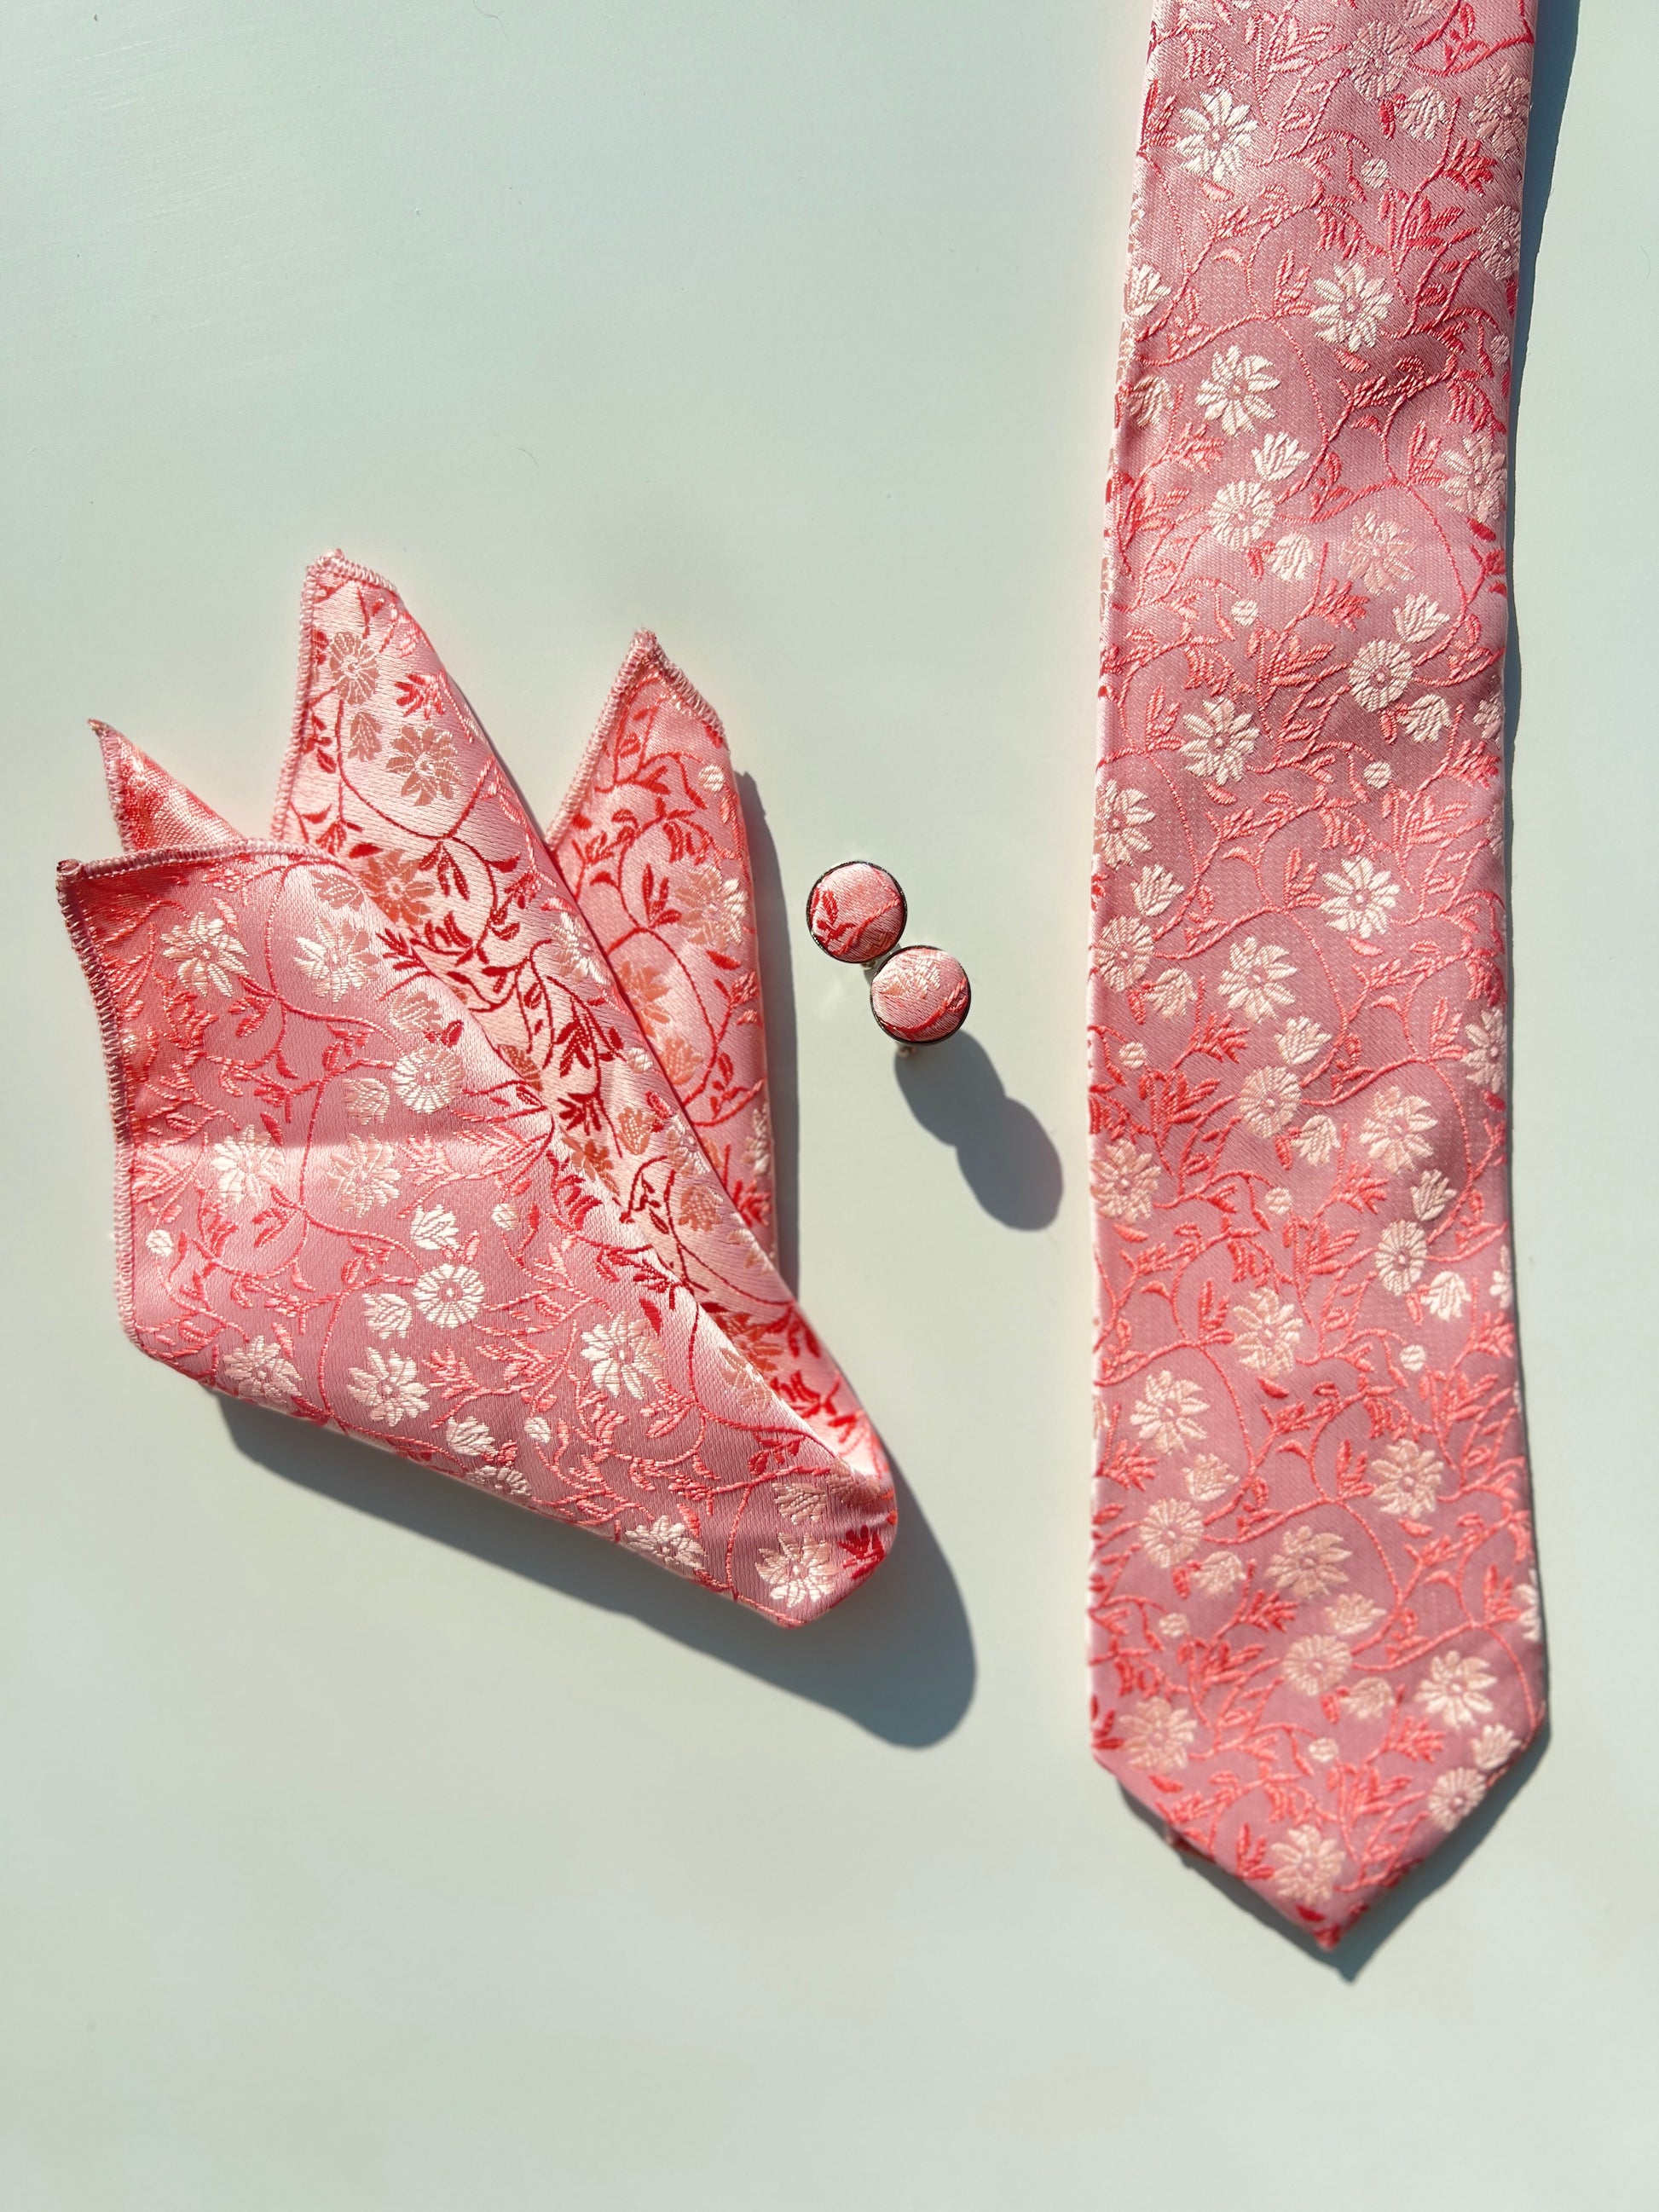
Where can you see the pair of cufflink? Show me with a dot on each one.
(918, 994)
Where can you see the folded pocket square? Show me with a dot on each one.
(456, 1139)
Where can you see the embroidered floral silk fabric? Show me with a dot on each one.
(395, 1151)
(1315, 1624)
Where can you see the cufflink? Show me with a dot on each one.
(918, 994)
(856, 912)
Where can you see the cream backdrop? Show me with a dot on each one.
(368, 1848)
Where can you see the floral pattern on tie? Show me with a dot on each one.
(1313, 1611)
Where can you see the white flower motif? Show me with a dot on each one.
(1172, 1532)
(160, 1242)
(539, 1429)
(1474, 478)
(1158, 1736)
(1318, 1140)
(365, 1174)
(1253, 981)
(1380, 672)
(1132, 1054)
(1374, 174)
(1352, 1614)
(1309, 1862)
(1301, 1040)
(449, 1294)
(1486, 1062)
(389, 1387)
(1280, 1200)
(1422, 114)
(1293, 557)
(1448, 1296)
(669, 1542)
(1501, 1289)
(206, 953)
(1123, 1181)
(1426, 719)
(1309, 1562)
(259, 1370)
(1241, 513)
(1393, 1132)
(1370, 1699)
(387, 1314)
(1276, 457)
(505, 1217)
(1413, 1357)
(1379, 553)
(467, 1437)
(1142, 290)
(1166, 1412)
(1223, 739)
(623, 1356)
(1363, 896)
(1233, 393)
(1378, 56)
(713, 906)
(1172, 994)
(1417, 618)
(427, 1078)
(248, 1167)
(1207, 1479)
(1246, 613)
(1377, 774)
(1268, 1100)
(1173, 1626)
(1155, 889)
(1124, 951)
(1145, 403)
(1431, 1194)
(1221, 1572)
(801, 1569)
(1315, 1665)
(801, 1502)
(341, 958)
(1499, 244)
(1119, 817)
(1494, 1746)
(1455, 1794)
(1455, 1689)
(1266, 1332)
(1323, 1749)
(1402, 1253)
(1352, 307)
(366, 1098)
(433, 1229)
(566, 948)
(1499, 113)
(1406, 1479)
(1219, 131)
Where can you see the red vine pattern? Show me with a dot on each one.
(1315, 1632)
(396, 1150)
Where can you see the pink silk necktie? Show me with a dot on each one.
(459, 1143)
(1314, 1633)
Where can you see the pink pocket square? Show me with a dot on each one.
(456, 1139)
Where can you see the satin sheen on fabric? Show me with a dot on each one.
(429, 1135)
(1315, 1629)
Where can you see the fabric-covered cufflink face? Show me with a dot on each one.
(856, 912)
(922, 995)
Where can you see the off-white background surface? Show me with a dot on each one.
(369, 1849)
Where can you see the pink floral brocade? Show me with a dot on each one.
(1313, 1612)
